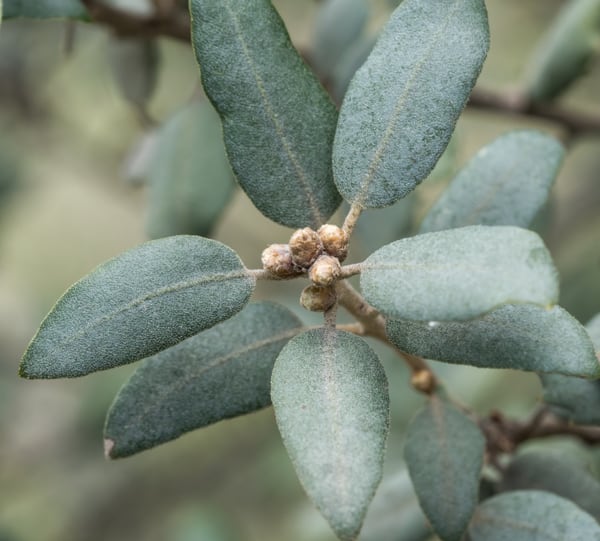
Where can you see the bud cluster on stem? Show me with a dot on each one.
(317, 253)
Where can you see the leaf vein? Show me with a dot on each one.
(389, 131)
(173, 288)
(166, 390)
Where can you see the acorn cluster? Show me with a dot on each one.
(318, 253)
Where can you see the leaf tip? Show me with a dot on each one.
(109, 445)
(25, 369)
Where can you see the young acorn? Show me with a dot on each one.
(317, 299)
(334, 240)
(325, 271)
(305, 246)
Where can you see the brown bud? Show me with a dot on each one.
(423, 381)
(317, 299)
(277, 259)
(305, 246)
(335, 240)
(325, 271)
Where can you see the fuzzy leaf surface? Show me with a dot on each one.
(189, 175)
(278, 122)
(574, 398)
(545, 471)
(532, 515)
(137, 304)
(459, 274)
(506, 183)
(331, 403)
(444, 454)
(518, 336)
(43, 9)
(219, 373)
(402, 104)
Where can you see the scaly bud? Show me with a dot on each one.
(317, 299)
(277, 259)
(325, 271)
(335, 241)
(305, 246)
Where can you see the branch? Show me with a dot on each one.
(517, 104)
(174, 23)
(505, 435)
(372, 323)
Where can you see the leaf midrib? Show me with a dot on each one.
(445, 460)
(166, 290)
(389, 131)
(332, 394)
(166, 390)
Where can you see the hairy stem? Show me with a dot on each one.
(263, 274)
(351, 270)
(351, 218)
(372, 323)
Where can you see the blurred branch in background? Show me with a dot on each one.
(169, 19)
(514, 103)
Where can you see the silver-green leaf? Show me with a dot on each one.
(518, 336)
(560, 475)
(331, 403)
(189, 176)
(444, 453)
(506, 183)
(574, 398)
(531, 515)
(278, 122)
(339, 23)
(593, 329)
(459, 274)
(564, 52)
(141, 302)
(219, 373)
(402, 104)
(43, 9)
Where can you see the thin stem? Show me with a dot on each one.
(505, 435)
(373, 324)
(516, 103)
(354, 328)
(263, 274)
(351, 218)
(331, 316)
(351, 270)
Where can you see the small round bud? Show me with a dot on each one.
(317, 299)
(335, 240)
(423, 381)
(325, 271)
(277, 259)
(305, 246)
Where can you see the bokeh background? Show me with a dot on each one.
(68, 202)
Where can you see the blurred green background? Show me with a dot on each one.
(65, 206)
